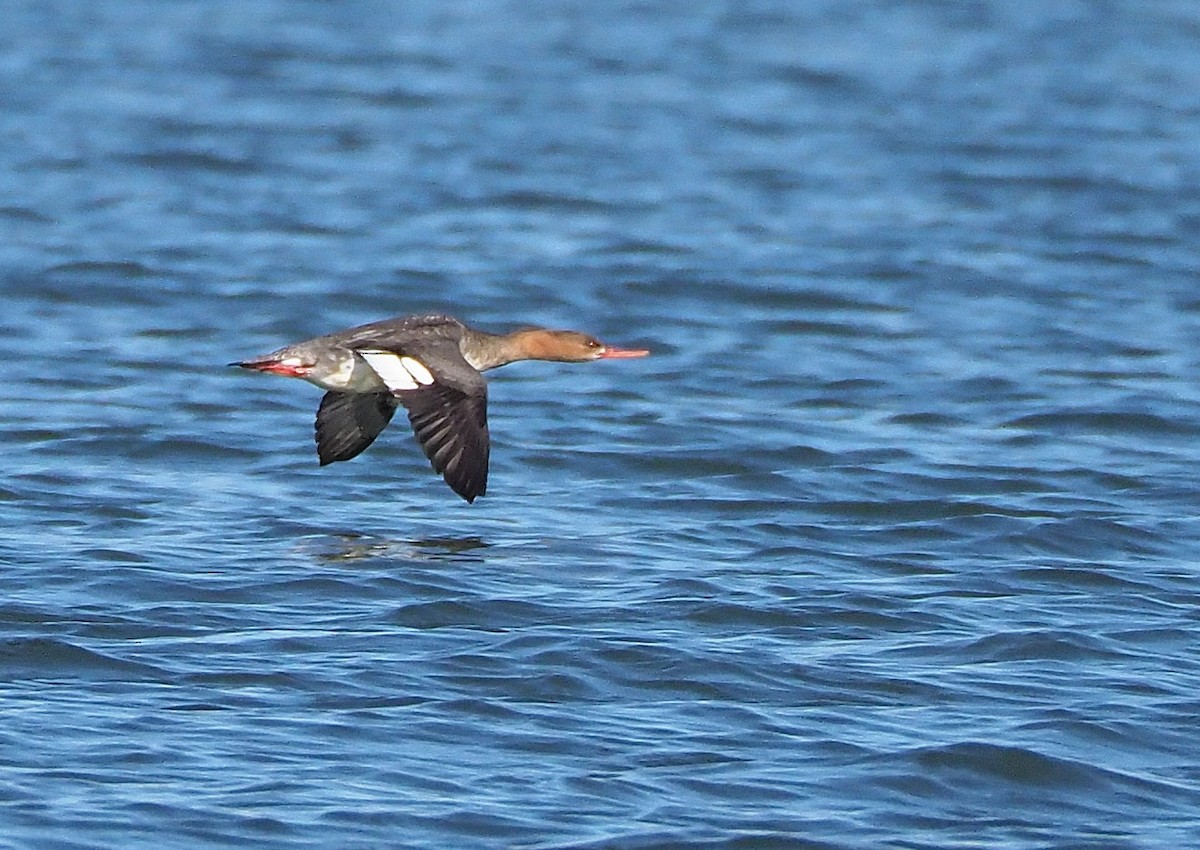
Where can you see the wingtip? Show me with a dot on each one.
(468, 493)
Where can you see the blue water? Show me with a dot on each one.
(892, 543)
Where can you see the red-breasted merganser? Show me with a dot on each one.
(432, 366)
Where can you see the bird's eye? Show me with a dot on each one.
(593, 343)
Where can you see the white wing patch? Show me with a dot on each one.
(417, 369)
(399, 373)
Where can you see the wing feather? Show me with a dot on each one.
(451, 427)
(446, 400)
(349, 422)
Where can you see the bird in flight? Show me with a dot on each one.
(432, 365)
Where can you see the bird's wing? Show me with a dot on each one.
(349, 422)
(446, 399)
(393, 334)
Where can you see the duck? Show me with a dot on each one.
(433, 366)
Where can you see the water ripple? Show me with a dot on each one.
(891, 542)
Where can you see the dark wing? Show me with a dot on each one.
(446, 399)
(349, 422)
(395, 334)
(452, 429)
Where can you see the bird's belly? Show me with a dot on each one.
(352, 375)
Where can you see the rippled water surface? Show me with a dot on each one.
(892, 543)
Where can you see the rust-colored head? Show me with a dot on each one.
(568, 346)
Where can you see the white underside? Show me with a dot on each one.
(370, 372)
(352, 375)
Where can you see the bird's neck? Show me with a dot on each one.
(487, 351)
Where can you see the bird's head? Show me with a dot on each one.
(571, 347)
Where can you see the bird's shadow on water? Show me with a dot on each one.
(349, 547)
